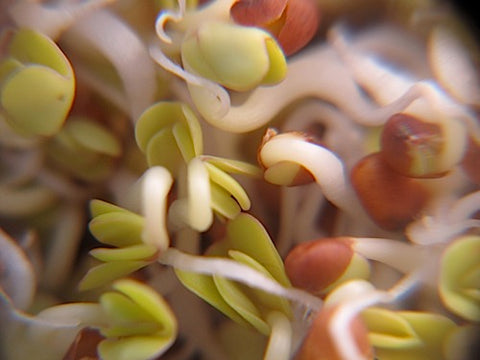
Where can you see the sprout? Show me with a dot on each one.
(294, 148)
(139, 239)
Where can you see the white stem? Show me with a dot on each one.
(157, 182)
(235, 271)
(340, 328)
(402, 256)
(280, 342)
(199, 199)
(220, 99)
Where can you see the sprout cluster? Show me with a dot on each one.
(238, 179)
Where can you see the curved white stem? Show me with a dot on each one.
(109, 35)
(156, 185)
(326, 168)
(319, 73)
(280, 341)
(217, 95)
(341, 134)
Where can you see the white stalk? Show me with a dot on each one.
(362, 298)
(217, 95)
(157, 182)
(200, 214)
(279, 344)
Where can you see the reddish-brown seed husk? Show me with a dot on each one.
(471, 161)
(315, 265)
(292, 22)
(319, 345)
(391, 199)
(412, 147)
(84, 347)
(257, 12)
(301, 24)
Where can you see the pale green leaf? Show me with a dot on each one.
(119, 229)
(204, 287)
(232, 293)
(386, 329)
(156, 118)
(37, 100)
(247, 234)
(31, 47)
(148, 300)
(121, 310)
(459, 262)
(93, 136)
(278, 65)
(233, 166)
(135, 252)
(235, 56)
(265, 301)
(108, 272)
(230, 184)
(162, 150)
(194, 128)
(134, 348)
(99, 207)
(223, 203)
(184, 141)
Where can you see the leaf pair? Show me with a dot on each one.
(140, 323)
(121, 229)
(211, 189)
(36, 84)
(459, 281)
(248, 243)
(407, 334)
(169, 134)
